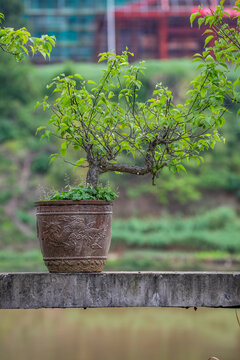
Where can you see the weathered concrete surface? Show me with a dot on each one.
(119, 289)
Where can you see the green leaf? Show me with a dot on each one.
(78, 76)
(79, 163)
(91, 82)
(193, 17)
(208, 39)
(48, 133)
(181, 167)
(40, 128)
(53, 158)
(209, 58)
(111, 94)
(63, 150)
(208, 31)
(200, 21)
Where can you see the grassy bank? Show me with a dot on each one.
(133, 260)
(155, 71)
(217, 229)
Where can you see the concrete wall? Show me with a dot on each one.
(119, 289)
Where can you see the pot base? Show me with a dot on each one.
(75, 265)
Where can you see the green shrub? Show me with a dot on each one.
(85, 193)
(215, 230)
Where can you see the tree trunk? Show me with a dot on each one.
(93, 175)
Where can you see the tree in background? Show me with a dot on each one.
(16, 125)
(16, 83)
(19, 42)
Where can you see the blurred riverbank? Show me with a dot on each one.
(116, 334)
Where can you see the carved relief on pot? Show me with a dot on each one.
(68, 233)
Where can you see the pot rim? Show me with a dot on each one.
(72, 202)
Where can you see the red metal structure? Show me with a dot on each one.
(157, 29)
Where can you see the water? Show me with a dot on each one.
(117, 334)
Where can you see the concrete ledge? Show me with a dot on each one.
(119, 289)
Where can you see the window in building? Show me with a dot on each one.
(68, 35)
(72, 20)
(72, 4)
(44, 4)
(34, 4)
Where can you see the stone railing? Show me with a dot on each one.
(120, 289)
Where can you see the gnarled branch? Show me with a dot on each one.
(125, 168)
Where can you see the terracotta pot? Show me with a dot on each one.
(74, 235)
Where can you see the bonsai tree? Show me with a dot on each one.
(108, 119)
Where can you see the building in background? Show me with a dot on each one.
(156, 29)
(73, 22)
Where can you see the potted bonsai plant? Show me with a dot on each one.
(107, 119)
